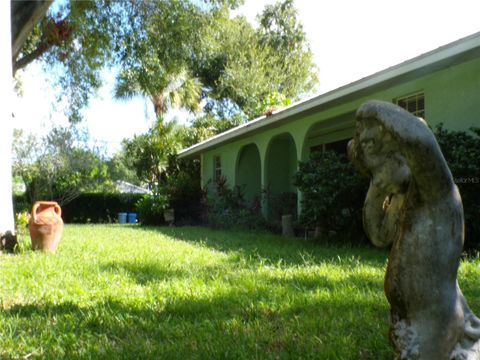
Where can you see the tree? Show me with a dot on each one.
(74, 43)
(225, 62)
(235, 68)
(59, 166)
(253, 70)
(24, 20)
(25, 16)
(120, 168)
(155, 59)
(150, 153)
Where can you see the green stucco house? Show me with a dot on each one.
(442, 86)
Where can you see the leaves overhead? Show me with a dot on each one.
(177, 53)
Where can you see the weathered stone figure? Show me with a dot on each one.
(414, 205)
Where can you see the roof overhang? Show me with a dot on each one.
(455, 53)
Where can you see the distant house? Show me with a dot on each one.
(442, 86)
(126, 187)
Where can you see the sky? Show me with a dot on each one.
(350, 39)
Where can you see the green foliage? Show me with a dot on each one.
(333, 193)
(89, 207)
(281, 31)
(176, 53)
(21, 203)
(75, 64)
(59, 166)
(184, 192)
(462, 152)
(175, 183)
(282, 204)
(247, 68)
(21, 218)
(149, 153)
(150, 209)
(227, 208)
(120, 168)
(208, 125)
(98, 207)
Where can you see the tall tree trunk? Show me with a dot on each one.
(6, 123)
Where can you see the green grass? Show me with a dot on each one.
(113, 292)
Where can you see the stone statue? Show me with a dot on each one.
(414, 206)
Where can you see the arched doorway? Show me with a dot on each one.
(249, 172)
(330, 134)
(280, 167)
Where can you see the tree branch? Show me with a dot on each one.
(25, 15)
(27, 59)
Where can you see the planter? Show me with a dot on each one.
(169, 216)
(122, 218)
(287, 228)
(132, 218)
(45, 225)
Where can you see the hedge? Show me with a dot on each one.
(91, 207)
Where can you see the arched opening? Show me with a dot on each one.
(248, 173)
(281, 166)
(331, 134)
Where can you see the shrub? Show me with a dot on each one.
(462, 152)
(284, 203)
(150, 209)
(98, 207)
(21, 223)
(21, 204)
(228, 209)
(333, 193)
(184, 191)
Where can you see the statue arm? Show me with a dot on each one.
(374, 216)
(416, 143)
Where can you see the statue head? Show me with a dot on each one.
(376, 153)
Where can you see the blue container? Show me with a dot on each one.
(122, 218)
(132, 218)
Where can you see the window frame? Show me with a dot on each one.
(416, 97)
(217, 168)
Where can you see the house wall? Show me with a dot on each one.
(452, 97)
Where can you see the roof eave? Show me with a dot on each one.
(433, 60)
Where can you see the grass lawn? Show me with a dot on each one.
(113, 292)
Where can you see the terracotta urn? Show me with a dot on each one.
(45, 225)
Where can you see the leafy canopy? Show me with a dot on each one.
(177, 53)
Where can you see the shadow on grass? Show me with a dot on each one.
(144, 273)
(275, 315)
(239, 324)
(260, 245)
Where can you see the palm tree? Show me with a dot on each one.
(173, 90)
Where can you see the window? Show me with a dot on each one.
(217, 168)
(414, 104)
(340, 147)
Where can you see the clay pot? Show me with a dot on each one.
(45, 225)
